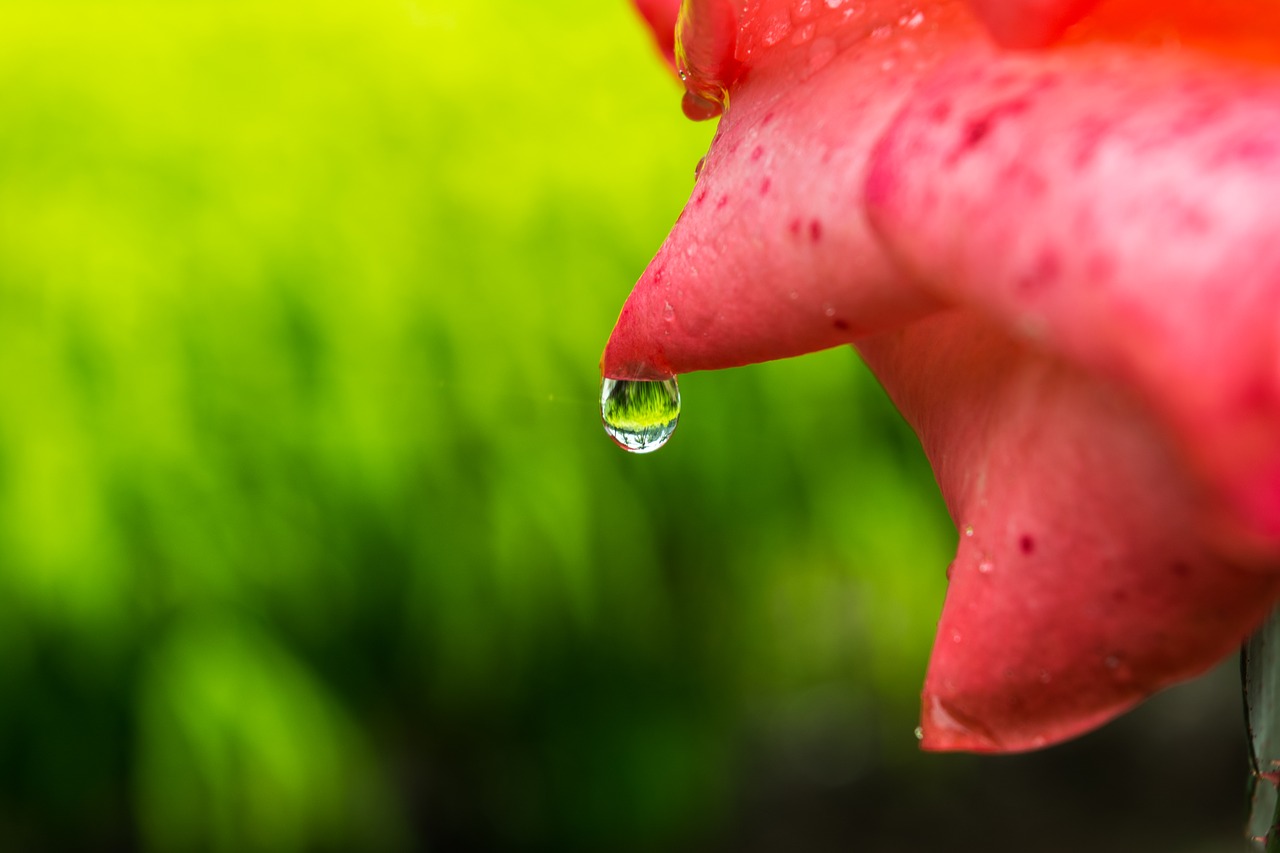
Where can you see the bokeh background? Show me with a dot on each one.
(310, 538)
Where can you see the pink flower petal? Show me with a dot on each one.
(1119, 210)
(772, 256)
(1066, 279)
(1080, 586)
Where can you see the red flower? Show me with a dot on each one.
(1064, 266)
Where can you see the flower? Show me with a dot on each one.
(1062, 263)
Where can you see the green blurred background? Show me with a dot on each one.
(310, 538)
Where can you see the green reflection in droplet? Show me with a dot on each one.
(639, 416)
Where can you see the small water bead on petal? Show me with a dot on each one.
(820, 55)
(639, 416)
(700, 108)
(803, 34)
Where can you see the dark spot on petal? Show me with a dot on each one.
(700, 197)
(980, 127)
(757, 153)
(722, 201)
(1253, 151)
(768, 117)
(794, 227)
(976, 131)
(764, 186)
(815, 230)
(1026, 544)
(940, 112)
(842, 325)
(1042, 276)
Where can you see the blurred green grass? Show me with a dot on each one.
(309, 535)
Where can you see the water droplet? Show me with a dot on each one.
(668, 312)
(803, 8)
(834, 4)
(776, 29)
(820, 55)
(639, 416)
(919, 729)
(968, 530)
(912, 21)
(955, 636)
(702, 105)
(986, 566)
(803, 34)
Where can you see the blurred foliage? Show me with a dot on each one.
(309, 534)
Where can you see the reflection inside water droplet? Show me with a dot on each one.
(639, 416)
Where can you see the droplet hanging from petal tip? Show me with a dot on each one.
(639, 416)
